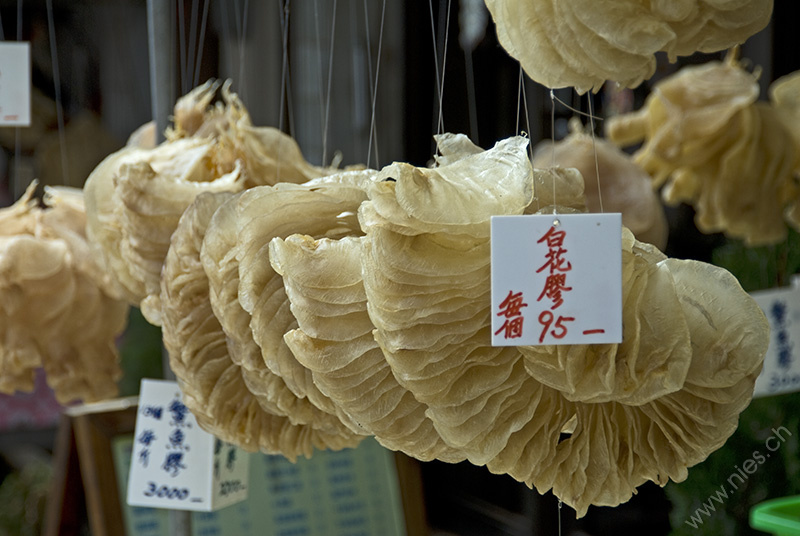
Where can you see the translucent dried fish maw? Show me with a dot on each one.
(269, 212)
(616, 447)
(54, 312)
(323, 281)
(653, 358)
(711, 145)
(650, 422)
(583, 43)
(623, 186)
(212, 384)
(136, 196)
(219, 256)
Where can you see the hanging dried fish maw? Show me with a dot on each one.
(219, 257)
(55, 313)
(623, 186)
(136, 196)
(212, 384)
(711, 145)
(269, 212)
(334, 340)
(583, 43)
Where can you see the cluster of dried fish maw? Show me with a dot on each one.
(583, 43)
(710, 144)
(625, 186)
(55, 312)
(372, 317)
(135, 197)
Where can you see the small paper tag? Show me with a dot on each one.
(556, 279)
(15, 84)
(781, 372)
(174, 463)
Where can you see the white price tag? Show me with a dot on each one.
(781, 372)
(15, 84)
(177, 465)
(556, 279)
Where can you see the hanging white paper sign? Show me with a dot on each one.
(556, 279)
(177, 465)
(15, 84)
(781, 372)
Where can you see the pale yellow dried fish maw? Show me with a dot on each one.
(459, 196)
(727, 326)
(718, 25)
(269, 212)
(711, 145)
(653, 358)
(346, 362)
(623, 186)
(583, 43)
(219, 259)
(54, 311)
(212, 384)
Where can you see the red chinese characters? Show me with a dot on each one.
(557, 267)
(511, 309)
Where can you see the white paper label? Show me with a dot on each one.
(174, 463)
(781, 372)
(15, 84)
(556, 279)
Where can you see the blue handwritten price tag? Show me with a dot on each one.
(15, 84)
(556, 279)
(781, 372)
(177, 465)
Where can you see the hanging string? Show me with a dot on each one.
(440, 127)
(471, 97)
(190, 56)
(201, 42)
(17, 131)
(284, 14)
(375, 93)
(373, 134)
(328, 97)
(527, 118)
(553, 161)
(572, 109)
(243, 48)
(594, 148)
(57, 86)
(321, 77)
(559, 517)
(435, 55)
(182, 47)
(519, 99)
(2, 32)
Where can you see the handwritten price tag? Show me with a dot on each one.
(15, 84)
(781, 372)
(556, 279)
(177, 465)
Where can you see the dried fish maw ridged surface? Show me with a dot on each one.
(710, 144)
(646, 409)
(220, 256)
(426, 275)
(650, 362)
(583, 43)
(136, 196)
(624, 185)
(54, 312)
(334, 340)
(212, 384)
(614, 447)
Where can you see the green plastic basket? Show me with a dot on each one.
(781, 517)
